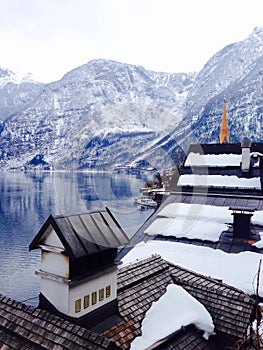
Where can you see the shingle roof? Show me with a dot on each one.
(145, 281)
(139, 285)
(83, 234)
(23, 327)
(231, 309)
(189, 339)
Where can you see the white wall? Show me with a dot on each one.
(78, 291)
(52, 238)
(55, 263)
(56, 293)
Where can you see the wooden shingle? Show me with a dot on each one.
(24, 327)
(145, 281)
(188, 339)
(232, 310)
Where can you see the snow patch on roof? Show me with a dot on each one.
(192, 221)
(259, 244)
(213, 160)
(237, 270)
(194, 210)
(159, 321)
(195, 221)
(218, 181)
(188, 228)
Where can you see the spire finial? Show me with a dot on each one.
(223, 136)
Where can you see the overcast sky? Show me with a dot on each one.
(50, 37)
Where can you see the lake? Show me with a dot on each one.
(27, 199)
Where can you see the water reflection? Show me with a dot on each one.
(27, 199)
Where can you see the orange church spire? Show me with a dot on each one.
(223, 136)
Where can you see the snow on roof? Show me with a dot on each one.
(259, 244)
(159, 321)
(257, 218)
(218, 181)
(188, 228)
(205, 212)
(195, 221)
(197, 211)
(213, 160)
(238, 270)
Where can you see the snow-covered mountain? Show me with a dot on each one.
(17, 91)
(101, 113)
(106, 113)
(235, 72)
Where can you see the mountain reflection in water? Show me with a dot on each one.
(27, 199)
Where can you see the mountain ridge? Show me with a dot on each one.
(105, 112)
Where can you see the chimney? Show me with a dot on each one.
(242, 221)
(245, 163)
(261, 172)
(79, 266)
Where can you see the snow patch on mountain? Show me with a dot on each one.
(126, 129)
(7, 76)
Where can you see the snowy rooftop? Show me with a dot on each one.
(192, 221)
(223, 167)
(160, 320)
(213, 160)
(203, 220)
(230, 181)
(160, 301)
(195, 221)
(237, 270)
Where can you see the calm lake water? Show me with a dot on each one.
(27, 199)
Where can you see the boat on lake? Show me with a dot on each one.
(145, 201)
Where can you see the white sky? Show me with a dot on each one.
(50, 37)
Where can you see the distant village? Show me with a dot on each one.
(189, 278)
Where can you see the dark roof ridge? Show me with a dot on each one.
(140, 270)
(58, 216)
(215, 194)
(138, 262)
(239, 293)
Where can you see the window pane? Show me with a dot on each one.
(101, 294)
(86, 301)
(108, 291)
(78, 305)
(94, 298)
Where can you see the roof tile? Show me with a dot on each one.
(31, 328)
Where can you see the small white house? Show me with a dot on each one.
(79, 265)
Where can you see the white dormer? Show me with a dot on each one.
(78, 263)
